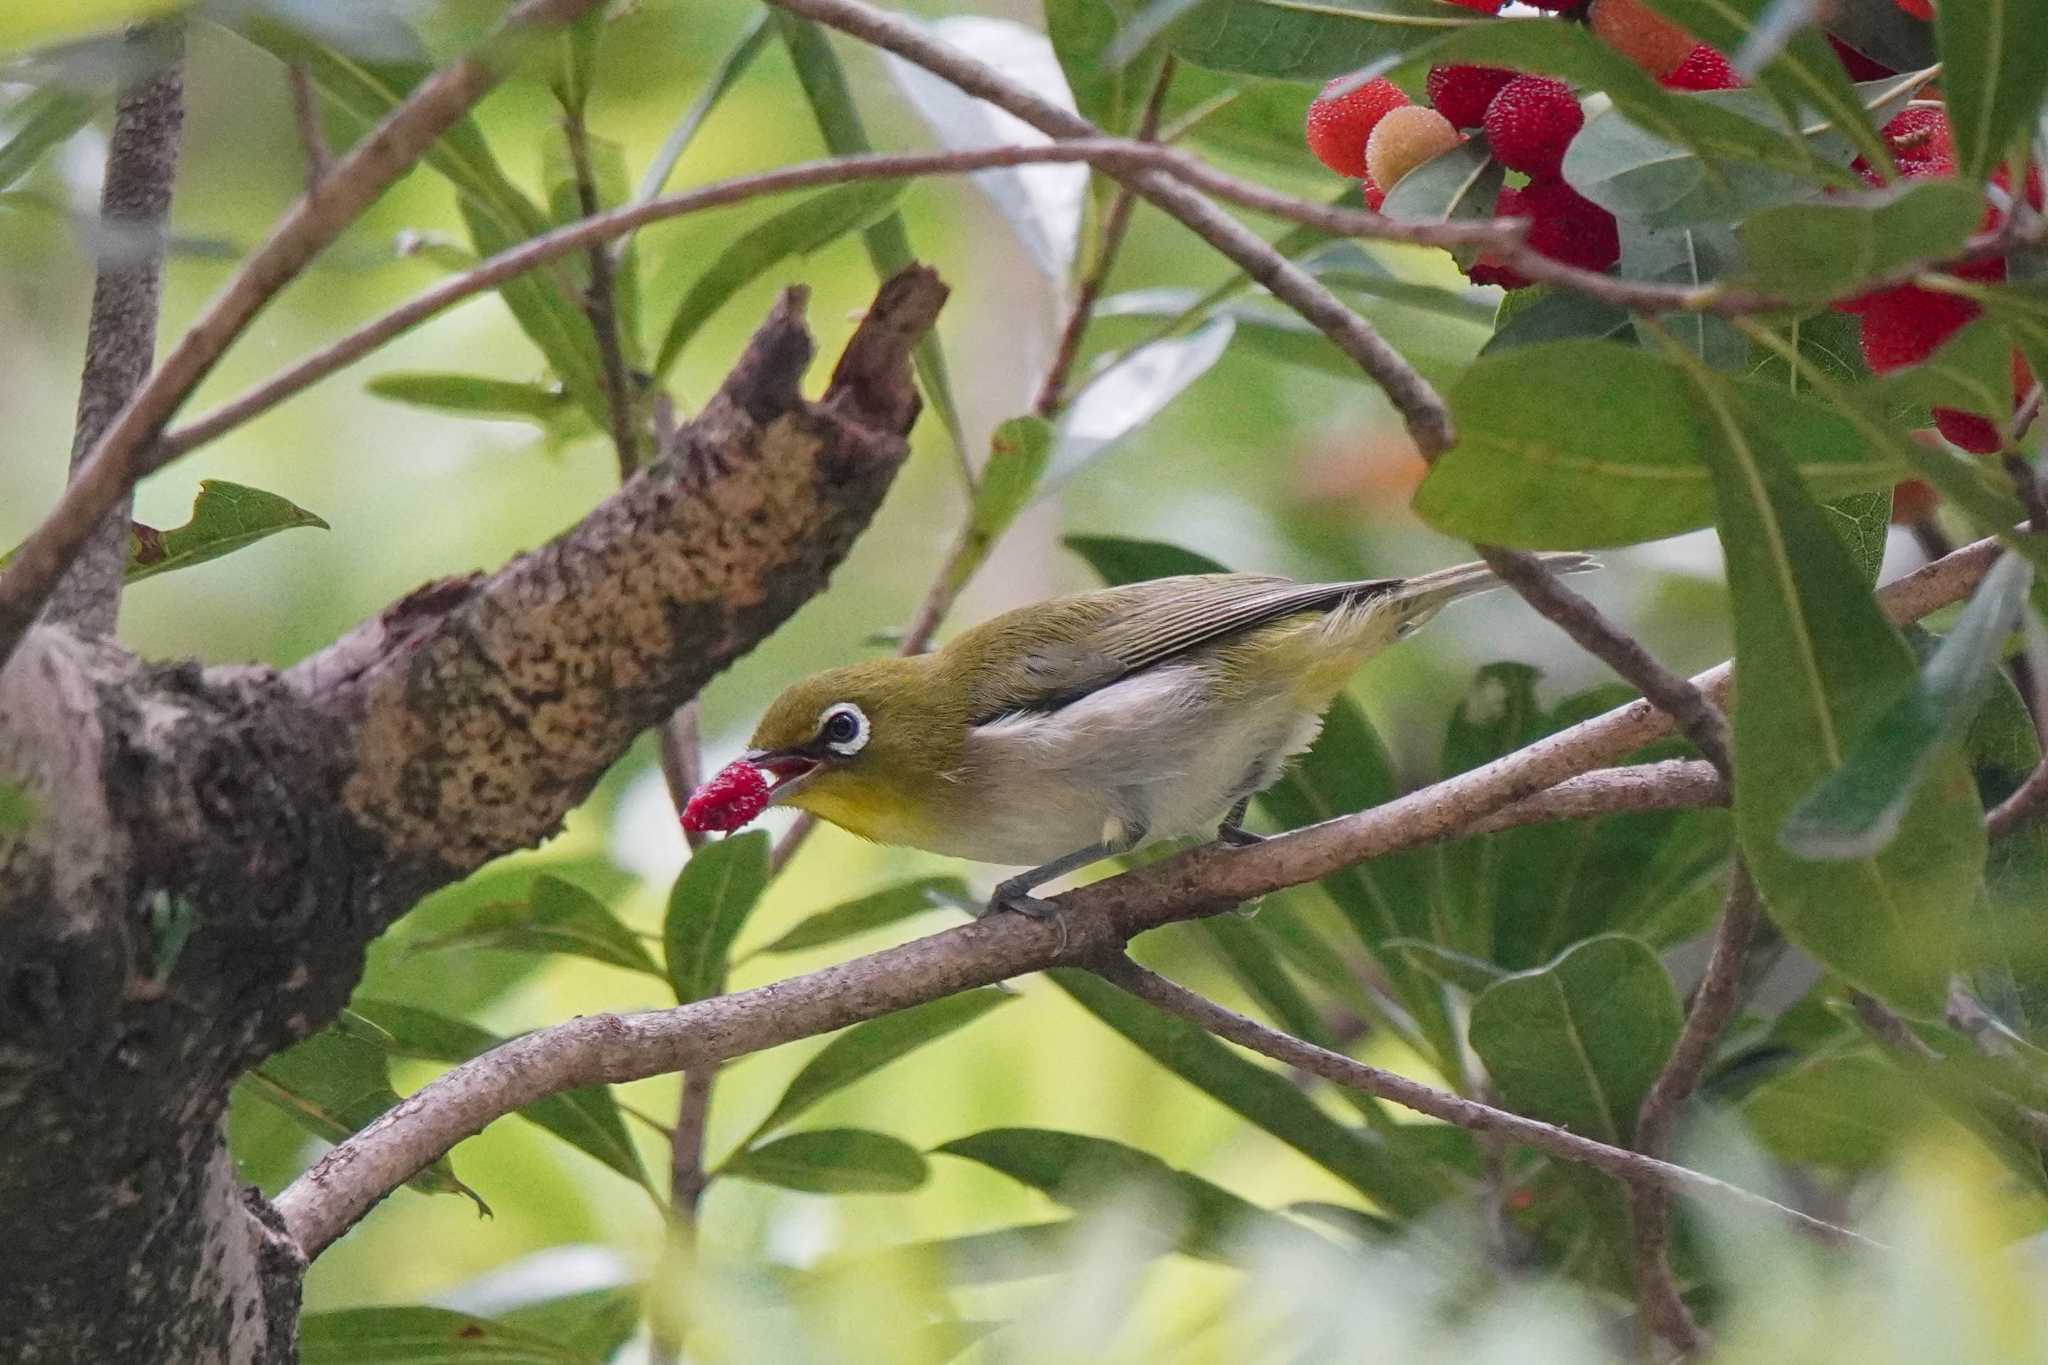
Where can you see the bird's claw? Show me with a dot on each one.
(1236, 836)
(1030, 906)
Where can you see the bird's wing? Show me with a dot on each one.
(1126, 630)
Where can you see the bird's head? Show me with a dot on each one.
(861, 746)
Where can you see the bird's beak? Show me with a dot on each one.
(787, 769)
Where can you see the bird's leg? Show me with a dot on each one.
(1014, 893)
(1232, 830)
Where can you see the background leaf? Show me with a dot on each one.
(874, 911)
(710, 901)
(226, 517)
(558, 916)
(1995, 70)
(832, 1161)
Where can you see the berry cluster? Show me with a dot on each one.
(1906, 324)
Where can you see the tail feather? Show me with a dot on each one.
(1421, 597)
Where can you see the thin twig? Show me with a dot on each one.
(1421, 408)
(1116, 222)
(1699, 719)
(686, 1150)
(2013, 812)
(1898, 1038)
(312, 137)
(120, 336)
(1713, 1005)
(127, 450)
(600, 303)
(1631, 1168)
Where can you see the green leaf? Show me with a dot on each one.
(807, 226)
(1825, 249)
(1117, 560)
(1306, 41)
(868, 1047)
(875, 911)
(598, 1321)
(471, 395)
(390, 1336)
(1469, 974)
(888, 241)
(1130, 390)
(1816, 666)
(610, 185)
(587, 1119)
(1579, 1042)
(712, 898)
(1019, 451)
(832, 1161)
(1088, 36)
(557, 917)
(1994, 74)
(579, 43)
(1845, 1108)
(1578, 444)
(40, 120)
(335, 1082)
(1261, 1096)
(1856, 812)
(226, 517)
(1460, 185)
(1709, 169)
(1078, 1171)
(1540, 313)
(722, 79)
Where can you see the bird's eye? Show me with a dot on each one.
(844, 729)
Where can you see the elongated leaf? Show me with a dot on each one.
(1131, 390)
(1305, 41)
(730, 68)
(471, 394)
(377, 1336)
(1532, 316)
(1691, 256)
(1816, 666)
(609, 187)
(1260, 1096)
(1856, 812)
(1096, 46)
(711, 899)
(888, 241)
(874, 911)
(557, 917)
(1577, 444)
(866, 1048)
(1469, 974)
(587, 1119)
(832, 1161)
(1019, 451)
(226, 517)
(337, 1081)
(805, 227)
(1845, 1108)
(598, 1321)
(1460, 185)
(39, 121)
(1823, 250)
(1994, 73)
(1579, 1042)
(1079, 1171)
(1042, 204)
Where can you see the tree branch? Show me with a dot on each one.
(312, 138)
(1427, 419)
(1633, 1169)
(125, 451)
(120, 337)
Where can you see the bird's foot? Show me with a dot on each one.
(1236, 836)
(1030, 906)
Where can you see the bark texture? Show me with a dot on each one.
(213, 848)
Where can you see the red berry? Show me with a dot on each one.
(1704, 68)
(1920, 145)
(735, 795)
(1531, 122)
(1859, 67)
(1912, 500)
(1461, 93)
(1999, 206)
(1375, 197)
(1338, 125)
(1904, 325)
(1568, 227)
(1403, 140)
(1919, 9)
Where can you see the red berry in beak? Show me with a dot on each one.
(736, 794)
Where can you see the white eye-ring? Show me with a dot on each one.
(844, 728)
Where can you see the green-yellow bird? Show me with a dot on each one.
(1080, 727)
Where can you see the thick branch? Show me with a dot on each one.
(120, 338)
(479, 711)
(125, 451)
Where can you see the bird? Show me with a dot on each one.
(1075, 729)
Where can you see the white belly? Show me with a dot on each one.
(1151, 757)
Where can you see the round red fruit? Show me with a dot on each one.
(1704, 68)
(1531, 122)
(1859, 67)
(1640, 34)
(1920, 145)
(1461, 93)
(1568, 227)
(1338, 125)
(1978, 434)
(1912, 500)
(1905, 325)
(1919, 9)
